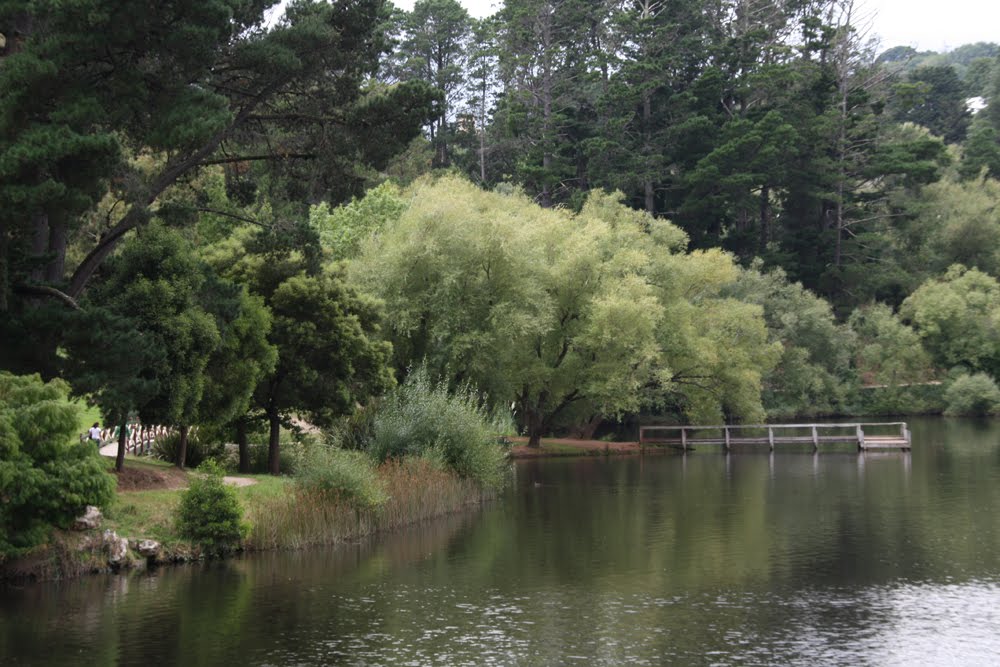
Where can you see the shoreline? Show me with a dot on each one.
(565, 447)
(116, 544)
(137, 531)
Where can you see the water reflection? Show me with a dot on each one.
(745, 558)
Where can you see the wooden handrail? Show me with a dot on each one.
(725, 435)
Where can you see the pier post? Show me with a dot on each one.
(861, 438)
(684, 440)
(770, 438)
(725, 431)
(815, 439)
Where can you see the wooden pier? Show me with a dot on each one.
(729, 436)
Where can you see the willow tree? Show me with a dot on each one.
(600, 312)
(957, 316)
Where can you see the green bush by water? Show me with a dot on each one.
(423, 418)
(47, 476)
(210, 514)
(972, 395)
(349, 475)
(356, 430)
(914, 399)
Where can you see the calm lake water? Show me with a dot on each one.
(704, 559)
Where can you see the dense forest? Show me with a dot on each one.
(584, 211)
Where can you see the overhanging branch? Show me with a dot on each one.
(259, 157)
(47, 290)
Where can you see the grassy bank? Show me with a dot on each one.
(281, 515)
(291, 517)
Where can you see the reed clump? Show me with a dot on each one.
(416, 489)
(424, 418)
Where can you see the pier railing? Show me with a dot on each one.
(866, 435)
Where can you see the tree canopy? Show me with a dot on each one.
(601, 312)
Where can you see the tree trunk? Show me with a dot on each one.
(57, 246)
(765, 218)
(39, 245)
(482, 132)
(4, 267)
(586, 430)
(241, 443)
(547, 94)
(442, 145)
(534, 439)
(274, 444)
(122, 441)
(536, 425)
(647, 179)
(182, 447)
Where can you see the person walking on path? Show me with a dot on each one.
(94, 434)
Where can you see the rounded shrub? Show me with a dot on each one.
(423, 418)
(975, 394)
(210, 514)
(348, 475)
(47, 477)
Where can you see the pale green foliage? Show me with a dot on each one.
(350, 476)
(550, 310)
(342, 229)
(423, 418)
(47, 477)
(715, 348)
(965, 221)
(958, 318)
(814, 372)
(889, 352)
(975, 394)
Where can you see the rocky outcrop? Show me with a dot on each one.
(148, 549)
(91, 519)
(116, 548)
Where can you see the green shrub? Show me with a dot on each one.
(210, 515)
(223, 450)
(356, 430)
(972, 395)
(288, 456)
(914, 399)
(199, 449)
(422, 418)
(348, 475)
(47, 477)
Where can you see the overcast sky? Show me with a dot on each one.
(933, 25)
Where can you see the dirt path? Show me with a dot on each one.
(239, 481)
(146, 478)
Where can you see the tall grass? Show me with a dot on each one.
(417, 490)
(423, 418)
(351, 476)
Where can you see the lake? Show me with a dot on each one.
(699, 559)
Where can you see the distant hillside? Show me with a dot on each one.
(972, 62)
